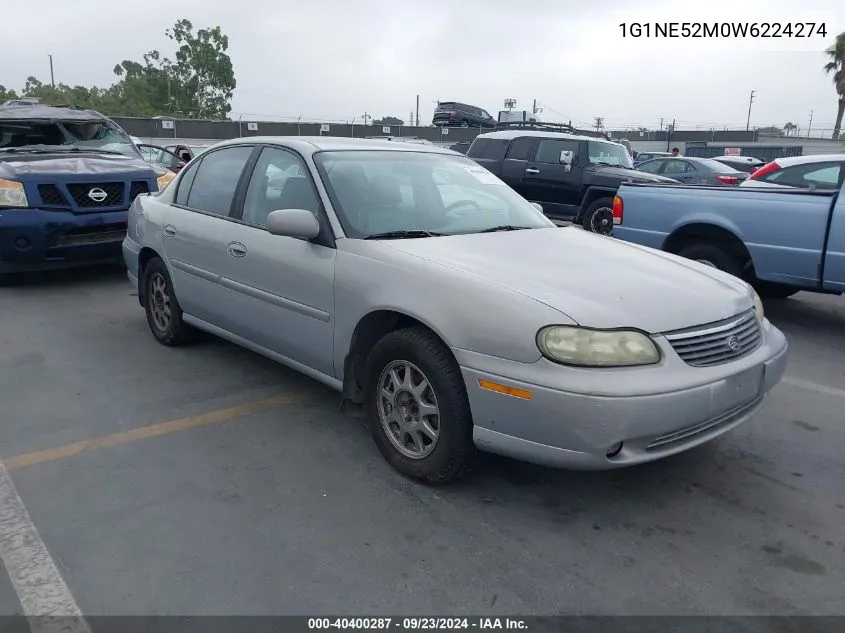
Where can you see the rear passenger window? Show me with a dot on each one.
(549, 149)
(520, 148)
(825, 175)
(217, 178)
(490, 148)
(185, 184)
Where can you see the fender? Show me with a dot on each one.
(589, 197)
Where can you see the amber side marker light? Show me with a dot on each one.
(504, 389)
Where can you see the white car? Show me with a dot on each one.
(821, 171)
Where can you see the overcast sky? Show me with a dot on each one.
(336, 60)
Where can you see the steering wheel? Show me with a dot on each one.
(462, 203)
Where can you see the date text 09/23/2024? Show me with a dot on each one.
(723, 29)
(417, 624)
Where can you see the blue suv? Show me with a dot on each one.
(67, 178)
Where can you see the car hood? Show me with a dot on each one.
(20, 166)
(597, 281)
(637, 176)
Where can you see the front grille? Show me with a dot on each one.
(91, 195)
(52, 196)
(719, 342)
(691, 433)
(137, 188)
(96, 234)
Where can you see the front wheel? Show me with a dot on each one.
(599, 217)
(417, 407)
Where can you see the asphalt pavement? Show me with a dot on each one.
(209, 480)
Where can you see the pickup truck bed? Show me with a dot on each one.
(780, 241)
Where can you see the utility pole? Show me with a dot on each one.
(366, 117)
(669, 135)
(661, 124)
(52, 77)
(534, 109)
(599, 123)
(811, 124)
(748, 121)
(418, 111)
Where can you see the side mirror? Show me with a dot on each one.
(299, 223)
(566, 157)
(538, 206)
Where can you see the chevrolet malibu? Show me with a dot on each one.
(445, 308)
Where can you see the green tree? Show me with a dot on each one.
(389, 120)
(6, 95)
(836, 67)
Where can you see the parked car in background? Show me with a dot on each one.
(694, 171)
(642, 157)
(820, 171)
(461, 146)
(780, 240)
(748, 164)
(454, 113)
(67, 177)
(349, 274)
(572, 177)
(157, 155)
(186, 152)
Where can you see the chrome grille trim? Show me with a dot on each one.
(705, 346)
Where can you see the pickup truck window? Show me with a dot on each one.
(520, 148)
(807, 175)
(549, 149)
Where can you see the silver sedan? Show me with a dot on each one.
(446, 308)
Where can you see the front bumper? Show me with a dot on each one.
(675, 408)
(35, 239)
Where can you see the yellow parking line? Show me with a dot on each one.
(124, 437)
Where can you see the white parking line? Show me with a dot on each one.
(40, 587)
(814, 386)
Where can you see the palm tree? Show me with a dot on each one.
(836, 66)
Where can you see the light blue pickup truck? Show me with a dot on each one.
(780, 241)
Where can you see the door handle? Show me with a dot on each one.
(169, 230)
(236, 249)
(532, 171)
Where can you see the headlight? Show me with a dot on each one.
(12, 194)
(165, 180)
(596, 348)
(758, 307)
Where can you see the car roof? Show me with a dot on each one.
(737, 159)
(40, 112)
(314, 144)
(814, 158)
(512, 134)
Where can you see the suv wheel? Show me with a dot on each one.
(599, 217)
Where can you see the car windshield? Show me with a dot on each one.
(608, 154)
(100, 135)
(376, 192)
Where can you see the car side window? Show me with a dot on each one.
(217, 178)
(279, 181)
(549, 149)
(826, 175)
(675, 166)
(520, 148)
(185, 183)
(651, 167)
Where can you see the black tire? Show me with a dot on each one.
(769, 290)
(713, 255)
(454, 453)
(174, 331)
(598, 218)
(464, 123)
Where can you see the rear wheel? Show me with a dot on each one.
(164, 315)
(599, 217)
(417, 407)
(714, 256)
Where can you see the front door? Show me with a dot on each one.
(195, 230)
(555, 186)
(283, 287)
(680, 170)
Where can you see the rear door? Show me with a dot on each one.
(834, 261)
(557, 187)
(680, 170)
(519, 152)
(489, 153)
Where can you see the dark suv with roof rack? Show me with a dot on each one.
(455, 114)
(67, 178)
(571, 176)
